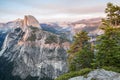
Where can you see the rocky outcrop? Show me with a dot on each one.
(99, 74)
(35, 53)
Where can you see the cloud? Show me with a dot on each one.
(51, 9)
(79, 10)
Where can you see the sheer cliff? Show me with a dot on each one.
(35, 52)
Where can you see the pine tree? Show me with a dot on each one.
(80, 53)
(113, 14)
(108, 49)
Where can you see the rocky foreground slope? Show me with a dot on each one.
(30, 51)
(99, 74)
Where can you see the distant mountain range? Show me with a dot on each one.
(67, 29)
(89, 25)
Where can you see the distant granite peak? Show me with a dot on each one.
(29, 20)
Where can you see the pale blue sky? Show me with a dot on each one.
(53, 10)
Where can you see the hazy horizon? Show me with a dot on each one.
(53, 10)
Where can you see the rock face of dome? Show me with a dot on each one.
(30, 21)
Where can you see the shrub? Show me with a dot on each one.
(34, 28)
(111, 68)
(32, 37)
(63, 38)
(74, 74)
(51, 39)
(93, 79)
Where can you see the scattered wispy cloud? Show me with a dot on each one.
(52, 9)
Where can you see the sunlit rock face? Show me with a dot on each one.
(34, 53)
(31, 21)
(28, 20)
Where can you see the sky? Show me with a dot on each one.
(53, 10)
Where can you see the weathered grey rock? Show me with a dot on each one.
(99, 74)
(79, 78)
(33, 56)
